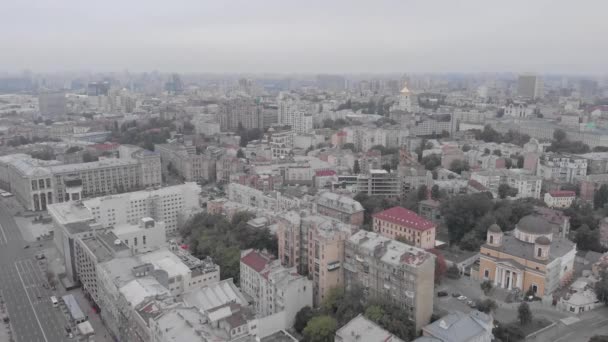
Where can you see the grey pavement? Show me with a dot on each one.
(33, 317)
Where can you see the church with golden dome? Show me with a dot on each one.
(529, 257)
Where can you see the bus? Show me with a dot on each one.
(54, 301)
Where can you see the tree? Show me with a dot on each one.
(422, 192)
(524, 314)
(504, 191)
(486, 287)
(559, 135)
(87, 157)
(431, 161)
(587, 239)
(600, 198)
(453, 272)
(435, 192)
(320, 329)
(601, 287)
(349, 146)
(302, 318)
(440, 265)
(240, 153)
(356, 167)
(487, 305)
(497, 152)
(462, 212)
(374, 313)
(486, 151)
(459, 165)
(599, 338)
(508, 163)
(520, 161)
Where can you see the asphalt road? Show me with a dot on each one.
(32, 315)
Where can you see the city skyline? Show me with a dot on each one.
(339, 37)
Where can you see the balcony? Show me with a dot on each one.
(332, 266)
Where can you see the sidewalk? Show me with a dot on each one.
(101, 333)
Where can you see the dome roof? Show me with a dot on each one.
(542, 240)
(495, 228)
(532, 224)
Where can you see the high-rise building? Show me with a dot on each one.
(530, 86)
(240, 112)
(52, 104)
(296, 114)
(388, 268)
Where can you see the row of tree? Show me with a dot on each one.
(223, 240)
(340, 306)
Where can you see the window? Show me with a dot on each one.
(491, 239)
(486, 273)
(540, 252)
(144, 238)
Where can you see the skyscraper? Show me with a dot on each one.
(530, 86)
(52, 104)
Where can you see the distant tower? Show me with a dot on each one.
(495, 235)
(530, 86)
(405, 101)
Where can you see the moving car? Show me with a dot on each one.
(442, 294)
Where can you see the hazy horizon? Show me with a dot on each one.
(279, 37)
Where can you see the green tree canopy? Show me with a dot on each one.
(320, 329)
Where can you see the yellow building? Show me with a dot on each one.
(529, 257)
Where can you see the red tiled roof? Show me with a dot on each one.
(341, 134)
(325, 173)
(562, 193)
(256, 260)
(404, 217)
(476, 185)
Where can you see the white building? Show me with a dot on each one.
(273, 287)
(146, 236)
(164, 204)
(37, 183)
(526, 185)
(296, 114)
(559, 199)
(404, 101)
(562, 168)
(519, 110)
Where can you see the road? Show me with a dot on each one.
(32, 315)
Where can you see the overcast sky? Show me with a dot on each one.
(304, 36)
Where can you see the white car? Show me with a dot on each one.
(462, 298)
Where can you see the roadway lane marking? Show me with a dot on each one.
(32, 305)
(3, 235)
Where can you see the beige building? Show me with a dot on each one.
(185, 162)
(393, 270)
(559, 199)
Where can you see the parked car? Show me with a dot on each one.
(456, 294)
(26, 246)
(462, 298)
(471, 304)
(40, 256)
(442, 294)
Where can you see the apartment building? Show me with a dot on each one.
(315, 246)
(167, 204)
(124, 283)
(379, 182)
(275, 289)
(37, 183)
(185, 162)
(280, 141)
(561, 168)
(240, 112)
(391, 269)
(295, 113)
(272, 200)
(361, 328)
(325, 254)
(226, 166)
(340, 207)
(527, 185)
(406, 225)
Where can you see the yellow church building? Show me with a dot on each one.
(529, 257)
